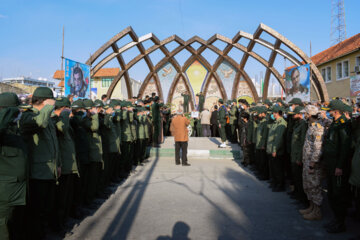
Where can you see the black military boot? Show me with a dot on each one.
(339, 227)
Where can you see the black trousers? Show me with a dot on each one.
(63, 199)
(214, 130)
(339, 194)
(296, 173)
(183, 146)
(263, 163)
(277, 170)
(40, 207)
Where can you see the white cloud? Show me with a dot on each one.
(3, 16)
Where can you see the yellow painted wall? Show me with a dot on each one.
(103, 90)
(340, 88)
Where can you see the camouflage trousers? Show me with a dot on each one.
(312, 184)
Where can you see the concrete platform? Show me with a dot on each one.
(213, 199)
(199, 147)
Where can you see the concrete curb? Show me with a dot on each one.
(196, 153)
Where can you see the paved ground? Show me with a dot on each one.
(211, 199)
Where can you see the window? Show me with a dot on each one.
(106, 82)
(342, 70)
(91, 83)
(357, 61)
(339, 70)
(326, 74)
(345, 69)
(323, 73)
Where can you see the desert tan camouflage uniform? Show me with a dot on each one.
(312, 153)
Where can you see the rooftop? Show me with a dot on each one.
(103, 72)
(345, 47)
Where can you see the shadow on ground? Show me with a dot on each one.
(180, 232)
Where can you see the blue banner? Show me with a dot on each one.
(77, 79)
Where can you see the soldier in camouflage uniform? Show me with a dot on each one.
(311, 169)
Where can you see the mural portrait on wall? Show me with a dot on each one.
(196, 74)
(213, 94)
(166, 76)
(227, 74)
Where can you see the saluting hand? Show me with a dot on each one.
(59, 171)
(338, 172)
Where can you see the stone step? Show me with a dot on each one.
(198, 147)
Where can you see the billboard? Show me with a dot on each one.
(297, 83)
(77, 79)
(355, 86)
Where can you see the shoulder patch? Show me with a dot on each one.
(318, 137)
(342, 121)
(313, 124)
(319, 125)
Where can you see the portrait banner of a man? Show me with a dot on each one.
(77, 79)
(297, 83)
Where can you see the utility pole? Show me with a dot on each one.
(62, 50)
(338, 25)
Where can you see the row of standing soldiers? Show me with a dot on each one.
(57, 157)
(303, 143)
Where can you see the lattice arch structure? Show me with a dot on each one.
(222, 55)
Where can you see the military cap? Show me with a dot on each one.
(78, 104)
(296, 101)
(253, 109)
(261, 109)
(221, 101)
(25, 106)
(298, 109)
(88, 103)
(337, 105)
(311, 110)
(9, 99)
(62, 102)
(113, 103)
(98, 103)
(234, 100)
(279, 100)
(268, 102)
(276, 109)
(253, 104)
(43, 92)
(348, 108)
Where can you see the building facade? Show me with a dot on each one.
(338, 64)
(28, 81)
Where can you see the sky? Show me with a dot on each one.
(31, 31)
